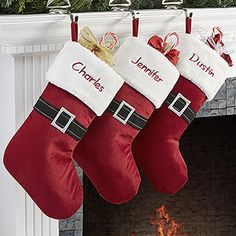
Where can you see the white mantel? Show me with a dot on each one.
(18, 31)
(28, 44)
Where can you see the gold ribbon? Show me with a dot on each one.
(89, 41)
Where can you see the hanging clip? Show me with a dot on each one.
(134, 14)
(74, 28)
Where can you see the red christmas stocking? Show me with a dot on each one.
(105, 153)
(156, 148)
(39, 156)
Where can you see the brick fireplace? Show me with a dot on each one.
(207, 204)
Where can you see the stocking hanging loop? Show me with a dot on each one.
(135, 23)
(188, 21)
(74, 28)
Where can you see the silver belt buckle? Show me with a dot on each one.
(125, 120)
(173, 108)
(63, 129)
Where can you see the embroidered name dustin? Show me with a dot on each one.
(150, 72)
(80, 68)
(196, 59)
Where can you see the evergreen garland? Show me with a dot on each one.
(6, 3)
(39, 6)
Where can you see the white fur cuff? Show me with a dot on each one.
(201, 65)
(146, 70)
(81, 73)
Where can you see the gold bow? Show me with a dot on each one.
(88, 40)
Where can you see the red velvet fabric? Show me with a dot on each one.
(39, 157)
(156, 148)
(105, 153)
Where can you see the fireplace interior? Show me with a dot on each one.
(205, 206)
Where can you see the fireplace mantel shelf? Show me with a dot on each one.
(23, 34)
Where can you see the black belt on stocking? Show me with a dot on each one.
(61, 119)
(125, 113)
(181, 106)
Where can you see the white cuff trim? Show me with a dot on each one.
(146, 70)
(81, 73)
(201, 65)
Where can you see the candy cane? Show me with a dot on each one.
(215, 31)
(113, 35)
(216, 45)
(173, 45)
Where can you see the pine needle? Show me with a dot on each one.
(39, 6)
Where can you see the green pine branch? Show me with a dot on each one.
(39, 6)
(6, 3)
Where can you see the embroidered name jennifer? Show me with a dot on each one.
(196, 59)
(152, 73)
(80, 68)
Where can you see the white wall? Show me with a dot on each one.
(7, 129)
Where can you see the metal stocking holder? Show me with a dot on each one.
(54, 9)
(169, 4)
(116, 5)
(120, 5)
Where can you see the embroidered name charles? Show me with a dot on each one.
(196, 59)
(80, 68)
(150, 72)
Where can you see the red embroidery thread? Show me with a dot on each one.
(196, 59)
(152, 73)
(80, 68)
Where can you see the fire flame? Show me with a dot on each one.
(164, 224)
